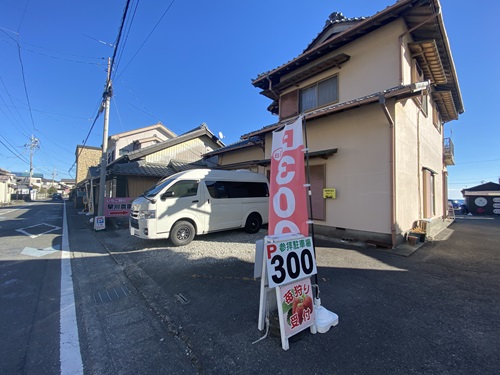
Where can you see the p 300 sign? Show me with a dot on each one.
(289, 260)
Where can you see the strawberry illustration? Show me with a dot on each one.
(308, 303)
(300, 304)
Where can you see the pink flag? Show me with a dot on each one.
(287, 204)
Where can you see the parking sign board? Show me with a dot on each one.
(289, 260)
(99, 223)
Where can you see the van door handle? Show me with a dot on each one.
(196, 201)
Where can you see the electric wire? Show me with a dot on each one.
(25, 86)
(128, 27)
(19, 156)
(149, 35)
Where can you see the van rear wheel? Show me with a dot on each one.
(253, 224)
(182, 233)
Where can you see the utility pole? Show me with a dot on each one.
(104, 158)
(54, 174)
(33, 145)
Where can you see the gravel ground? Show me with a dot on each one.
(431, 312)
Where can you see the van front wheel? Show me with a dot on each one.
(182, 233)
(253, 224)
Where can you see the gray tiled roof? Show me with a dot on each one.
(143, 168)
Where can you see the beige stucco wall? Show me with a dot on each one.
(419, 145)
(244, 155)
(373, 66)
(127, 141)
(359, 171)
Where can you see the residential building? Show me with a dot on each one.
(7, 186)
(132, 173)
(375, 93)
(483, 199)
(123, 143)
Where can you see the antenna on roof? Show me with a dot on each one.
(221, 136)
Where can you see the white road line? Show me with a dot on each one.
(70, 356)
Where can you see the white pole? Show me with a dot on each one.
(104, 156)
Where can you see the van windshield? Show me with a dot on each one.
(155, 189)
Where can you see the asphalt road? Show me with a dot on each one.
(30, 274)
(145, 307)
(434, 312)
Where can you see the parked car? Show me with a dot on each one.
(56, 197)
(454, 204)
(200, 201)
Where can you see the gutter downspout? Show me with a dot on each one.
(392, 163)
(277, 97)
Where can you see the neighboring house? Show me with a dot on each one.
(483, 199)
(376, 92)
(62, 187)
(67, 184)
(7, 186)
(47, 184)
(123, 143)
(134, 172)
(23, 179)
(86, 157)
(118, 145)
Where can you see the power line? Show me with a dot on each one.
(117, 43)
(86, 138)
(129, 27)
(149, 35)
(19, 156)
(25, 87)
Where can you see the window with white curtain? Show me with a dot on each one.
(320, 94)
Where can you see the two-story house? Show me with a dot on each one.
(375, 93)
(123, 143)
(7, 185)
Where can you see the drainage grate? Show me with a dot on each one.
(183, 300)
(113, 294)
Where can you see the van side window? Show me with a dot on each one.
(236, 189)
(186, 188)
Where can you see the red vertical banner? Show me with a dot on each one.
(287, 203)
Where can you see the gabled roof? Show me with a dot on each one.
(4, 171)
(197, 132)
(489, 186)
(159, 126)
(424, 21)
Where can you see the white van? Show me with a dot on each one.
(200, 201)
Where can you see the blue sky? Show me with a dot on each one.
(196, 66)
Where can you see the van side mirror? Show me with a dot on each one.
(166, 195)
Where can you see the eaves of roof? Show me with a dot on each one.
(398, 93)
(158, 126)
(324, 154)
(195, 133)
(142, 168)
(418, 15)
(241, 144)
(488, 186)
